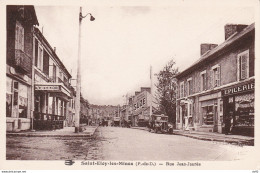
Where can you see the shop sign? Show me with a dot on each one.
(239, 89)
(47, 88)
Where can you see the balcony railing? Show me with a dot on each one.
(22, 61)
(58, 80)
(44, 121)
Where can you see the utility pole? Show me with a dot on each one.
(151, 80)
(78, 90)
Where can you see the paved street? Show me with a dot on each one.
(116, 143)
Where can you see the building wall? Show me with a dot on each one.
(14, 74)
(227, 61)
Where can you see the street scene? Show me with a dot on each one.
(114, 143)
(140, 82)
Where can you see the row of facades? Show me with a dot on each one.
(218, 89)
(214, 93)
(39, 94)
(139, 107)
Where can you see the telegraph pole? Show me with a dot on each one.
(78, 90)
(151, 80)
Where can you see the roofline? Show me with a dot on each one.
(34, 15)
(218, 49)
(52, 51)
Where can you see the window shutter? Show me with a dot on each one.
(185, 88)
(211, 79)
(243, 66)
(191, 87)
(22, 38)
(16, 36)
(218, 76)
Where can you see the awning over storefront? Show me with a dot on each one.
(58, 88)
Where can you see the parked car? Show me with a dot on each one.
(159, 123)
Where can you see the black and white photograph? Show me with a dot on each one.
(130, 84)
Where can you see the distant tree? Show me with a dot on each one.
(166, 90)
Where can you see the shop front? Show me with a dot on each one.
(185, 119)
(210, 113)
(51, 106)
(238, 109)
(18, 94)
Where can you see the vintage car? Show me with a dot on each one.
(159, 123)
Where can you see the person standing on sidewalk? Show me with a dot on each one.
(227, 124)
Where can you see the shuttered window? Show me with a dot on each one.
(19, 36)
(216, 76)
(243, 65)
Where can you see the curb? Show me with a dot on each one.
(139, 128)
(88, 135)
(229, 141)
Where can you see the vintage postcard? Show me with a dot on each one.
(130, 84)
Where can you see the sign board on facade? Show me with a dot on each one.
(239, 89)
(47, 88)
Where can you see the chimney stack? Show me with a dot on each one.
(230, 29)
(148, 89)
(137, 92)
(204, 47)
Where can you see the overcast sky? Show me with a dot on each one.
(121, 44)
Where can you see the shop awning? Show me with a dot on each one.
(58, 88)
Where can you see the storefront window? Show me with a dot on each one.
(9, 96)
(208, 115)
(23, 101)
(244, 106)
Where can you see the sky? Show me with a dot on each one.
(118, 48)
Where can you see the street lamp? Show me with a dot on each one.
(78, 90)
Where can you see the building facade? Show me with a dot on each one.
(20, 25)
(52, 90)
(143, 103)
(218, 89)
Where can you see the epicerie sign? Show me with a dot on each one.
(46, 87)
(239, 89)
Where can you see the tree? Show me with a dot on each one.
(166, 90)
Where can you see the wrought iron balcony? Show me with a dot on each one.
(22, 61)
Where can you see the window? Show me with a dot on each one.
(243, 65)
(189, 86)
(203, 80)
(23, 101)
(36, 52)
(40, 58)
(19, 36)
(181, 89)
(208, 115)
(9, 96)
(216, 76)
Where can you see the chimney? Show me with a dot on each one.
(230, 29)
(206, 47)
(137, 92)
(54, 49)
(148, 89)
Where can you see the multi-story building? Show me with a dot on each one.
(220, 85)
(52, 90)
(142, 102)
(20, 23)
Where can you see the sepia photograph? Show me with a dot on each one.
(130, 85)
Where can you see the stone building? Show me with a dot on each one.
(19, 55)
(220, 85)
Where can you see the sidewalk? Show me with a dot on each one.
(231, 139)
(65, 132)
(210, 136)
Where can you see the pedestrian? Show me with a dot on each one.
(227, 124)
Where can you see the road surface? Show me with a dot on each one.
(116, 143)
